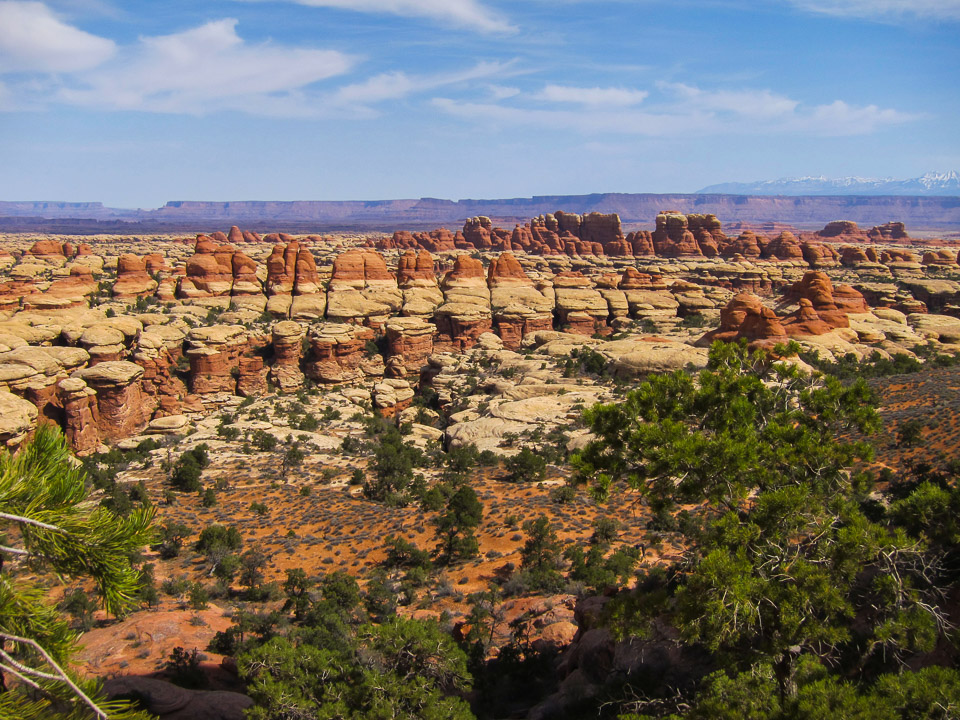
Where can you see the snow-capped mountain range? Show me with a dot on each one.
(937, 184)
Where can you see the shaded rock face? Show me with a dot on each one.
(285, 372)
(337, 352)
(18, 418)
(123, 408)
(409, 343)
(251, 377)
(214, 354)
(171, 702)
(81, 415)
(746, 317)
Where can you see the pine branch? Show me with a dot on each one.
(29, 521)
(61, 675)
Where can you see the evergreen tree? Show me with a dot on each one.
(49, 523)
(781, 553)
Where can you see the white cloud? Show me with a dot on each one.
(33, 39)
(839, 118)
(762, 103)
(397, 85)
(935, 9)
(469, 14)
(690, 111)
(205, 69)
(608, 97)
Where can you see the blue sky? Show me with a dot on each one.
(138, 102)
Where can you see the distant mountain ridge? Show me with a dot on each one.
(931, 184)
(313, 216)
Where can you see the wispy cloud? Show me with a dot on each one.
(397, 85)
(205, 69)
(685, 110)
(884, 9)
(468, 14)
(34, 39)
(608, 96)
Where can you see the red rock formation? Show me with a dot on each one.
(888, 232)
(122, 407)
(133, 280)
(783, 247)
(414, 266)
(819, 255)
(218, 271)
(360, 265)
(747, 245)
(673, 238)
(940, 257)
(856, 254)
(464, 267)
(410, 341)
(633, 279)
(79, 283)
(505, 268)
(336, 352)
(47, 247)
(642, 243)
(826, 307)
(285, 372)
(214, 354)
(891, 255)
(745, 316)
(81, 416)
(843, 231)
(251, 377)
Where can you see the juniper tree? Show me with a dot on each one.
(780, 556)
(50, 524)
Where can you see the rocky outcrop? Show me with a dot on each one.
(518, 306)
(133, 279)
(843, 231)
(338, 353)
(251, 377)
(819, 255)
(220, 271)
(672, 237)
(409, 343)
(417, 281)
(940, 257)
(362, 290)
(170, 702)
(465, 313)
(122, 408)
(580, 308)
(822, 307)
(285, 372)
(18, 418)
(784, 246)
(81, 417)
(214, 354)
(745, 317)
(888, 232)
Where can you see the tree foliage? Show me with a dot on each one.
(782, 558)
(49, 523)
